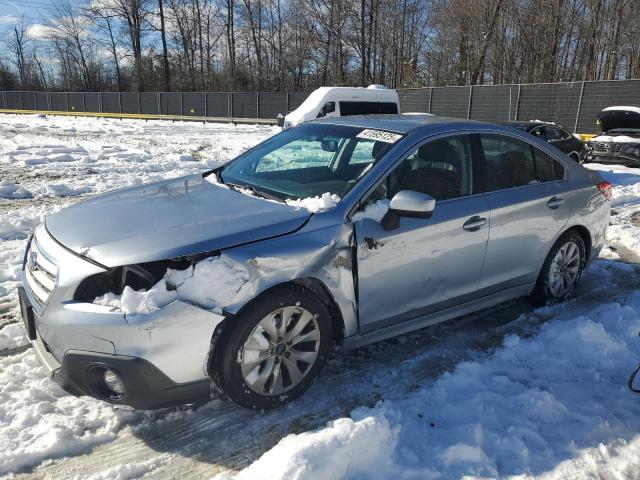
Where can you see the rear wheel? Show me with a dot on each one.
(561, 270)
(275, 349)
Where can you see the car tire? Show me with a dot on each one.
(266, 357)
(576, 157)
(561, 270)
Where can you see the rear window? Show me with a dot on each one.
(367, 108)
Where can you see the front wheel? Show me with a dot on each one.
(275, 349)
(561, 270)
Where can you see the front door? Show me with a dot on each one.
(424, 264)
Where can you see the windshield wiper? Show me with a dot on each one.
(254, 190)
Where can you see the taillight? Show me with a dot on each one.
(605, 189)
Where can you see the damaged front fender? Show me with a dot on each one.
(322, 253)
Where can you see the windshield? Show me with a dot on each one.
(308, 161)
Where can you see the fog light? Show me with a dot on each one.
(113, 383)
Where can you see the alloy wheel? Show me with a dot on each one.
(564, 269)
(280, 351)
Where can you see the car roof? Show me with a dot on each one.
(402, 123)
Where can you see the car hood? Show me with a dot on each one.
(169, 219)
(623, 118)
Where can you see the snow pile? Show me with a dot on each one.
(12, 336)
(39, 421)
(615, 138)
(12, 191)
(346, 448)
(211, 283)
(316, 204)
(545, 405)
(374, 211)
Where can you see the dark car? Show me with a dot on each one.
(556, 135)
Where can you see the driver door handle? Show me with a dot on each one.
(555, 202)
(474, 223)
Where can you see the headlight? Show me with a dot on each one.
(633, 150)
(139, 277)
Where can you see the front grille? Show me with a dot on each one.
(41, 274)
(606, 147)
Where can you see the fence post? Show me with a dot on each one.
(66, 95)
(120, 102)
(469, 104)
(575, 127)
(21, 102)
(35, 100)
(159, 102)
(515, 118)
(257, 104)
(139, 107)
(49, 101)
(206, 109)
(182, 104)
(430, 98)
(288, 104)
(230, 105)
(4, 97)
(84, 102)
(99, 102)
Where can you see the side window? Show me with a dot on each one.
(367, 108)
(328, 107)
(441, 168)
(508, 163)
(366, 151)
(539, 132)
(554, 133)
(547, 168)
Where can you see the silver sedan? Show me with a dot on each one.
(347, 231)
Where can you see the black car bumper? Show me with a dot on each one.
(613, 159)
(147, 388)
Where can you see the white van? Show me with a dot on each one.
(343, 101)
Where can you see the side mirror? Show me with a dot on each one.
(408, 203)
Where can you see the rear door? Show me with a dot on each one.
(525, 190)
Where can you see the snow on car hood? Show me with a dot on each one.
(169, 219)
(613, 118)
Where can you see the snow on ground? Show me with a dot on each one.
(549, 400)
(555, 405)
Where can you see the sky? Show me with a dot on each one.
(34, 11)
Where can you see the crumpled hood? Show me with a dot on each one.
(612, 118)
(169, 219)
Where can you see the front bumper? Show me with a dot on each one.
(162, 357)
(618, 159)
(146, 386)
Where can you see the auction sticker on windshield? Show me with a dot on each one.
(379, 135)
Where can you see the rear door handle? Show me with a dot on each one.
(555, 202)
(474, 223)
